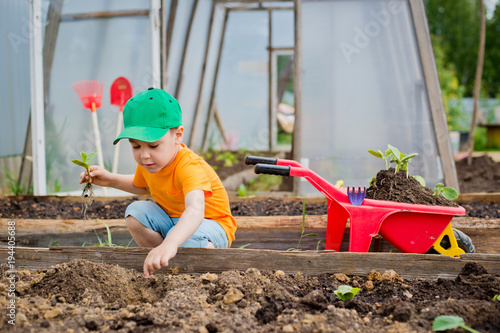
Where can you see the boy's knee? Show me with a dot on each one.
(138, 206)
(133, 223)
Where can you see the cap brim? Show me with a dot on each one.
(140, 133)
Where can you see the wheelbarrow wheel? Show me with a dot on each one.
(463, 241)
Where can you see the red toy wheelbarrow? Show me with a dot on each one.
(410, 228)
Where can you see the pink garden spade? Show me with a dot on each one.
(121, 92)
(90, 93)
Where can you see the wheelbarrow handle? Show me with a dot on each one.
(262, 160)
(272, 169)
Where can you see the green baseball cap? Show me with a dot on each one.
(149, 115)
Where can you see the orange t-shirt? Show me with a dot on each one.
(186, 173)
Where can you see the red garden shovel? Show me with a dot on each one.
(90, 93)
(121, 92)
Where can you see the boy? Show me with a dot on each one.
(191, 207)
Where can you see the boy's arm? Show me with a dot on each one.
(103, 177)
(125, 183)
(189, 222)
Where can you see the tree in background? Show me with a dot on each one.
(451, 90)
(477, 81)
(456, 23)
(491, 74)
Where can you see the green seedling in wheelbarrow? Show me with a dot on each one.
(394, 155)
(448, 192)
(88, 190)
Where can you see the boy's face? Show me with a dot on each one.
(154, 156)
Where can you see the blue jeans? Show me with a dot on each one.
(153, 217)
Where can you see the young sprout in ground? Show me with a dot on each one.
(88, 190)
(242, 191)
(228, 157)
(302, 235)
(108, 241)
(448, 192)
(496, 298)
(443, 323)
(345, 292)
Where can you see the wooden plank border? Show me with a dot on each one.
(479, 196)
(37, 226)
(194, 260)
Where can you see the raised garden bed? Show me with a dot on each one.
(264, 223)
(289, 292)
(244, 289)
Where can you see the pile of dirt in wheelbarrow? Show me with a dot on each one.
(82, 296)
(392, 186)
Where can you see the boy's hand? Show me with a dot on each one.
(158, 258)
(100, 176)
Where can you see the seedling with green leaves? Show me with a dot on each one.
(88, 190)
(15, 187)
(108, 241)
(302, 235)
(381, 155)
(345, 292)
(228, 157)
(401, 160)
(86, 160)
(242, 191)
(443, 323)
(394, 155)
(420, 179)
(448, 192)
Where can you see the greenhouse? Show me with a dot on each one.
(345, 77)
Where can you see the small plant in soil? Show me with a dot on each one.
(345, 292)
(242, 191)
(448, 192)
(443, 323)
(108, 241)
(88, 190)
(394, 155)
(14, 186)
(302, 235)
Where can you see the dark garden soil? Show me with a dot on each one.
(81, 296)
(483, 175)
(35, 208)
